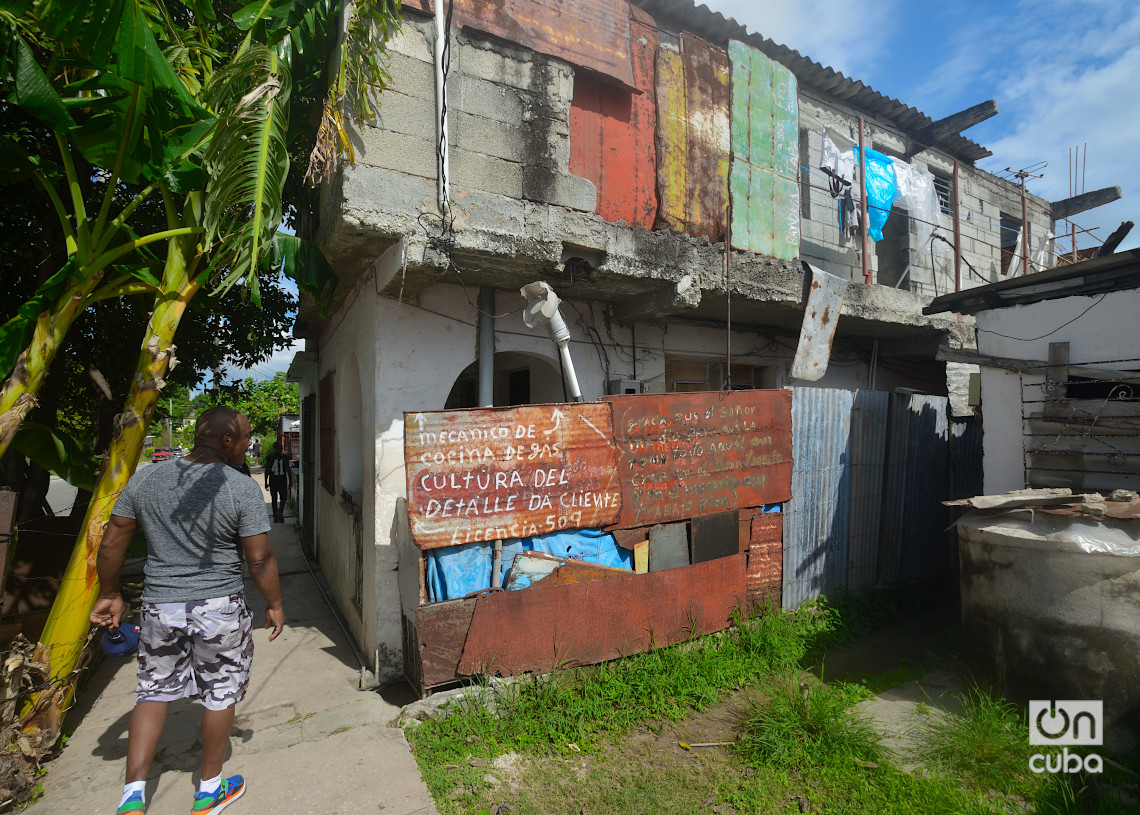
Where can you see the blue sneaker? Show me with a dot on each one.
(132, 806)
(229, 791)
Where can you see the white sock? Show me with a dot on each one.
(210, 785)
(133, 787)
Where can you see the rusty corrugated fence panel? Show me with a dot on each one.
(612, 134)
(816, 518)
(688, 454)
(694, 140)
(541, 629)
(488, 473)
(866, 462)
(765, 146)
(591, 34)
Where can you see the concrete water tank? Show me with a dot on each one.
(1051, 610)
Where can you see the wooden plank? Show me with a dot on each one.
(1034, 365)
(8, 502)
(483, 474)
(641, 557)
(1083, 481)
(1094, 423)
(683, 455)
(542, 628)
(1095, 444)
(1112, 462)
(1056, 375)
(1052, 428)
(715, 536)
(441, 631)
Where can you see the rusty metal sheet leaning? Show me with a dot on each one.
(541, 629)
(825, 301)
(688, 454)
(441, 631)
(488, 473)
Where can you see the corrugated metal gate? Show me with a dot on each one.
(870, 470)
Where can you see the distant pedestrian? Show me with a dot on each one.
(255, 449)
(278, 480)
(196, 628)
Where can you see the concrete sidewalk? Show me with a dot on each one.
(305, 739)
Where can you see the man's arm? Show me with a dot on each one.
(109, 607)
(263, 570)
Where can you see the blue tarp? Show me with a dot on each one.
(881, 187)
(454, 571)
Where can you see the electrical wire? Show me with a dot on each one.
(1050, 333)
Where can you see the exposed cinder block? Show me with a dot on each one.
(390, 150)
(489, 99)
(480, 171)
(401, 113)
(477, 134)
(411, 76)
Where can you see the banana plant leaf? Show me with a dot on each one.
(58, 453)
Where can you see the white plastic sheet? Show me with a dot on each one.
(915, 191)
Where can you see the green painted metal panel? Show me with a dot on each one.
(765, 146)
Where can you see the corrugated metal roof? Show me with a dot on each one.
(714, 26)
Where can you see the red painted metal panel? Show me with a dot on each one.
(612, 136)
(541, 629)
(591, 34)
(694, 139)
(478, 475)
(687, 454)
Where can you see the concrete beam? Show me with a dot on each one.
(1068, 207)
(683, 296)
(936, 132)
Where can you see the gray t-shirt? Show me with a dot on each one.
(192, 516)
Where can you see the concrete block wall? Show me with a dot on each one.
(508, 118)
(982, 200)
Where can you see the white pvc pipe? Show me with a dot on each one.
(561, 335)
(443, 186)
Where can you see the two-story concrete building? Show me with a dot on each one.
(660, 168)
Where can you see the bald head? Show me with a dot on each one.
(223, 430)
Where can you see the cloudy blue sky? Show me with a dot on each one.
(1063, 74)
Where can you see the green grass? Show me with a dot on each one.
(604, 739)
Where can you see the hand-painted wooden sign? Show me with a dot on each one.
(687, 454)
(489, 473)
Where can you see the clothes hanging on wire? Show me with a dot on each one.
(837, 161)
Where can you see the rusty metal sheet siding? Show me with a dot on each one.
(915, 542)
(816, 519)
(482, 474)
(688, 454)
(867, 460)
(694, 138)
(591, 34)
(441, 631)
(612, 136)
(765, 146)
(541, 629)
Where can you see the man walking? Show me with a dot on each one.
(278, 480)
(195, 638)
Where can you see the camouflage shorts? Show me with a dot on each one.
(199, 650)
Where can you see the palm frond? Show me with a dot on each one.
(247, 162)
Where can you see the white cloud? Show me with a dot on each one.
(265, 370)
(841, 34)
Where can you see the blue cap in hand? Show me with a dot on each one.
(122, 641)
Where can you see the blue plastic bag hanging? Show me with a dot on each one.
(881, 186)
